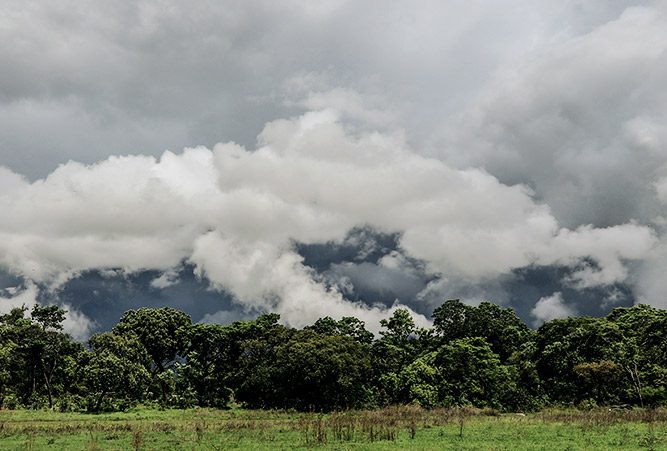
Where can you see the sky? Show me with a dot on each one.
(332, 158)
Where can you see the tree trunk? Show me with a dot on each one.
(163, 384)
(48, 389)
(634, 377)
(33, 379)
(99, 400)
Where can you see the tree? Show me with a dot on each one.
(7, 351)
(116, 370)
(162, 331)
(347, 326)
(258, 380)
(50, 317)
(397, 348)
(30, 340)
(482, 356)
(565, 343)
(419, 382)
(38, 368)
(450, 320)
(311, 372)
(601, 381)
(400, 328)
(500, 327)
(208, 366)
(529, 394)
(471, 374)
(644, 356)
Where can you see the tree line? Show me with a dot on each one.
(482, 356)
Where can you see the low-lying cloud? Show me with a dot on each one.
(486, 150)
(236, 214)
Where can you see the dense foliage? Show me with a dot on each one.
(481, 356)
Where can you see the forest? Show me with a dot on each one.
(481, 356)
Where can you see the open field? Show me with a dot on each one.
(392, 428)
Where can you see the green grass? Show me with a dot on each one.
(393, 428)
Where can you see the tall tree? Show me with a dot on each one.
(116, 371)
(564, 345)
(208, 366)
(163, 332)
(500, 327)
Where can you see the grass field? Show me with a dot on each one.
(392, 428)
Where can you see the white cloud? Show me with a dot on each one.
(370, 110)
(551, 307)
(579, 119)
(166, 279)
(547, 120)
(19, 298)
(76, 324)
(235, 214)
(223, 317)
(266, 278)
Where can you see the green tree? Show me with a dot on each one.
(312, 372)
(419, 382)
(348, 326)
(500, 327)
(601, 381)
(471, 374)
(400, 328)
(7, 352)
(116, 371)
(451, 320)
(208, 365)
(163, 333)
(397, 347)
(258, 379)
(325, 372)
(644, 356)
(50, 317)
(564, 344)
(38, 369)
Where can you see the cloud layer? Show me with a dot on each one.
(235, 214)
(488, 139)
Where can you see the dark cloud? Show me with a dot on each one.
(406, 153)
(105, 296)
(362, 244)
(85, 81)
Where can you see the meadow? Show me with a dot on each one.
(390, 428)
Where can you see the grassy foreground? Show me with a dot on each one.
(392, 428)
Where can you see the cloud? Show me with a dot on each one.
(15, 297)
(236, 214)
(368, 109)
(166, 279)
(76, 324)
(578, 120)
(385, 280)
(486, 136)
(266, 278)
(84, 82)
(550, 308)
(224, 317)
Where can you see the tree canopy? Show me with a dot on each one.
(482, 356)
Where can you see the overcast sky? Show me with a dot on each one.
(333, 157)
